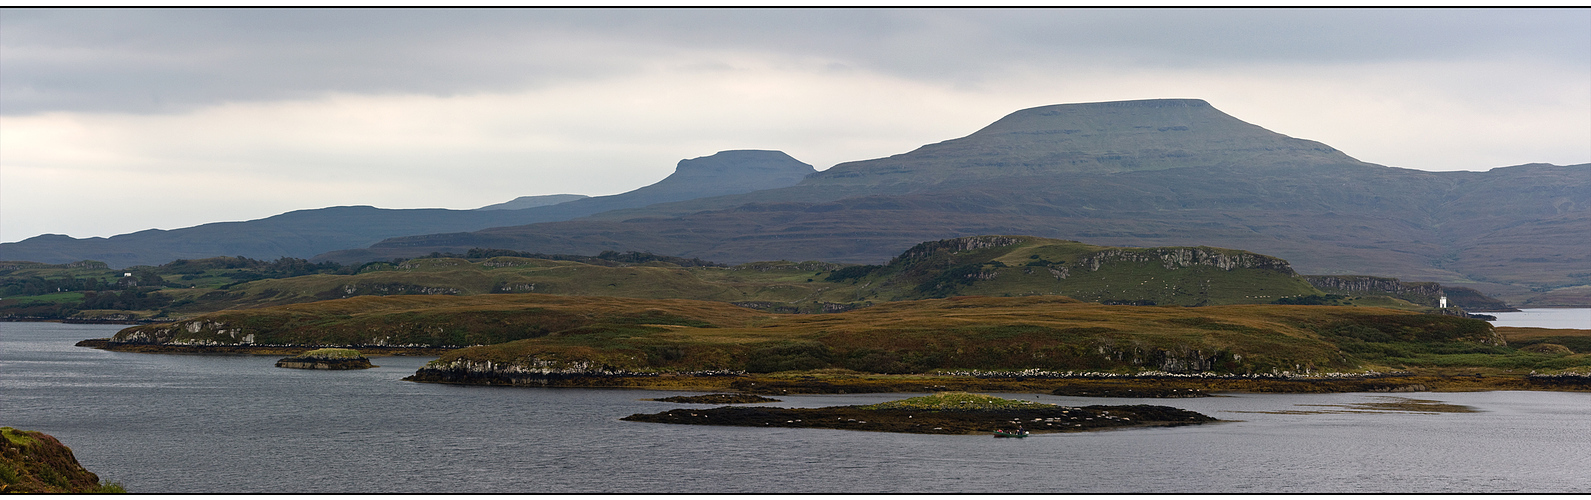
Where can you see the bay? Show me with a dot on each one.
(175, 423)
(1546, 318)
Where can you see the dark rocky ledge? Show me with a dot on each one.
(718, 399)
(1041, 419)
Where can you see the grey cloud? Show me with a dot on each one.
(155, 61)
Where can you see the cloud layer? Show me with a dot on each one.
(120, 120)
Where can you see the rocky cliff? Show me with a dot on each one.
(1423, 293)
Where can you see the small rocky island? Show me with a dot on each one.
(943, 413)
(326, 359)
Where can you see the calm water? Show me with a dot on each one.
(214, 423)
(1545, 318)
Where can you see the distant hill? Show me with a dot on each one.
(977, 265)
(533, 201)
(306, 233)
(1138, 173)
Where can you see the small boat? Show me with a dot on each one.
(1002, 433)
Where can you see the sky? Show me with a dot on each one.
(119, 120)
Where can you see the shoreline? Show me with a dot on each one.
(1129, 387)
(1146, 386)
(284, 350)
(1045, 419)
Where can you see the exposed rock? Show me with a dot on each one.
(718, 399)
(1039, 419)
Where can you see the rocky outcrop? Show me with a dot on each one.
(1173, 258)
(1422, 293)
(718, 399)
(191, 332)
(326, 359)
(955, 245)
(535, 372)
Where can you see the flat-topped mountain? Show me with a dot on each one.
(306, 233)
(1138, 173)
(1092, 138)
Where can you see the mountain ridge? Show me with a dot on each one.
(306, 233)
(1507, 230)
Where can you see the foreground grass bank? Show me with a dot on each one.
(35, 462)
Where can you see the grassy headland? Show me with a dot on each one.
(35, 462)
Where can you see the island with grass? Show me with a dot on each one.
(986, 313)
(326, 359)
(942, 413)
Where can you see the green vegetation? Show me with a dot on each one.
(1046, 333)
(1014, 266)
(331, 353)
(35, 462)
(985, 265)
(927, 336)
(954, 401)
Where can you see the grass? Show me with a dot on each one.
(1024, 265)
(331, 353)
(16, 438)
(1015, 266)
(953, 401)
(958, 334)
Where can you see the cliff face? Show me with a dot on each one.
(35, 462)
(1422, 293)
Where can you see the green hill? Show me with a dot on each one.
(1025, 265)
(983, 265)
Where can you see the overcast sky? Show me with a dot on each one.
(113, 121)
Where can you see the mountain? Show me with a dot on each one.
(306, 233)
(1165, 172)
(533, 201)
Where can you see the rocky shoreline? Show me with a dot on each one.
(1085, 384)
(1038, 420)
(274, 350)
(718, 399)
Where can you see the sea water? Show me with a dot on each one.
(1545, 318)
(169, 423)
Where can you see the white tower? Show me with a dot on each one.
(1443, 302)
